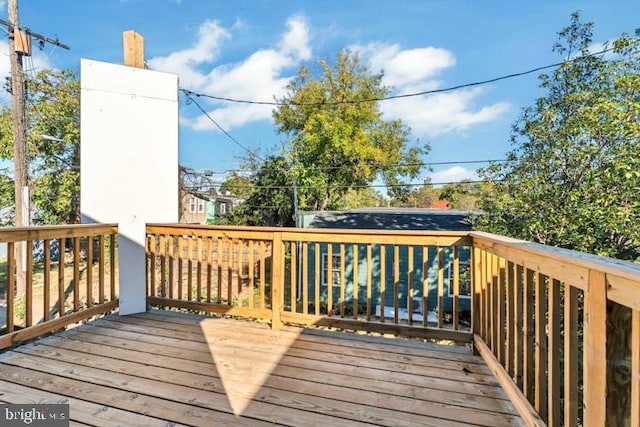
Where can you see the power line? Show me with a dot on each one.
(249, 171)
(403, 185)
(191, 100)
(191, 93)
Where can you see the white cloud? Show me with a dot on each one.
(258, 77)
(453, 174)
(185, 62)
(295, 42)
(416, 70)
(437, 114)
(405, 67)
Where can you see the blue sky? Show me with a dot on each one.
(249, 49)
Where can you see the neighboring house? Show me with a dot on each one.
(220, 206)
(193, 208)
(441, 204)
(391, 219)
(206, 208)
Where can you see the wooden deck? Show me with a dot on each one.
(164, 368)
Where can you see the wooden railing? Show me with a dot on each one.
(54, 276)
(406, 283)
(561, 329)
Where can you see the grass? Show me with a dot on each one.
(38, 287)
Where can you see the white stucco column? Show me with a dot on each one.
(129, 161)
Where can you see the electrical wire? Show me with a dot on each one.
(191, 93)
(315, 187)
(191, 100)
(447, 163)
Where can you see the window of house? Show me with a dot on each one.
(201, 204)
(464, 281)
(192, 204)
(223, 208)
(335, 270)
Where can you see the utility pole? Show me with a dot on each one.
(20, 163)
(19, 46)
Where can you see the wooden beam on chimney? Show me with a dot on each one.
(133, 49)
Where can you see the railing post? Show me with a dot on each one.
(595, 350)
(476, 262)
(277, 281)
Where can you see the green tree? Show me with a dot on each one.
(463, 195)
(270, 202)
(420, 197)
(573, 177)
(53, 128)
(337, 139)
(363, 198)
(238, 185)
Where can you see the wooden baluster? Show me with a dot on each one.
(151, 248)
(383, 276)
(47, 280)
(329, 279)
(252, 271)
(356, 282)
(571, 356)
(518, 313)
(210, 267)
(396, 283)
(190, 268)
(61, 279)
(529, 335)
(440, 286)
(305, 278)
(635, 368)
(112, 265)
(277, 281)
(89, 271)
(29, 279)
(410, 284)
(76, 274)
(425, 286)
(262, 274)
(594, 350)
(369, 274)
(199, 269)
(11, 266)
(456, 288)
(101, 258)
(170, 285)
(343, 279)
(541, 346)
(501, 325)
(553, 362)
(317, 279)
(510, 321)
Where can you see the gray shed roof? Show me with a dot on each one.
(392, 219)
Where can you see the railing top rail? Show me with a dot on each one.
(15, 234)
(604, 264)
(157, 227)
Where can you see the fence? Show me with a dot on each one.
(55, 276)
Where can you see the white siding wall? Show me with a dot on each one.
(129, 160)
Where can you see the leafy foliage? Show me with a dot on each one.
(336, 140)
(271, 201)
(573, 176)
(53, 129)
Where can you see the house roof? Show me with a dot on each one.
(391, 219)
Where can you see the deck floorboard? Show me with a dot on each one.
(161, 368)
